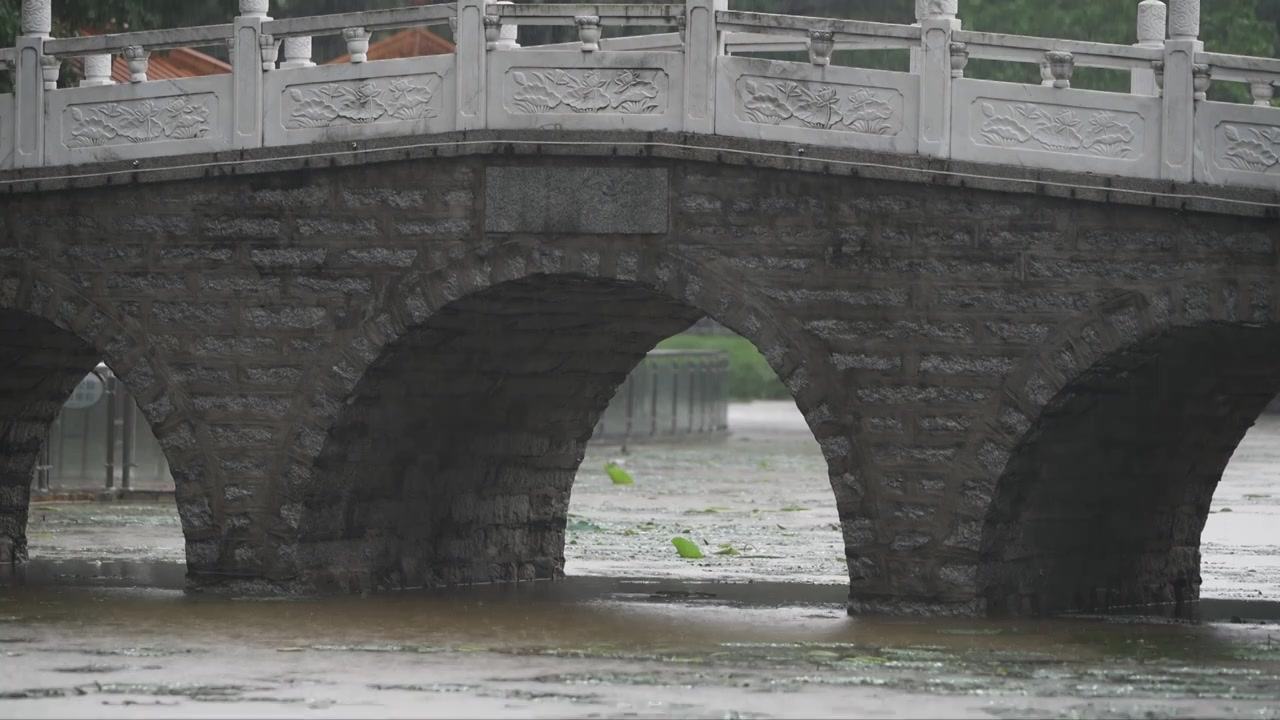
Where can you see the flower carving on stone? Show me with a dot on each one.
(116, 123)
(634, 93)
(406, 101)
(1255, 149)
(1057, 131)
(819, 107)
(1002, 130)
(867, 114)
(1108, 136)
(1061, 130)
(625, 92)
(367, 101)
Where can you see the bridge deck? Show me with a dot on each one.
(689, 77)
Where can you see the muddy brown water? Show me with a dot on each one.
(97, 624)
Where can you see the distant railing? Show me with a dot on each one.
(670, 395)
(97, 443)
(694, 74)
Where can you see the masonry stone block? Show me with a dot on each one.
(392, 368)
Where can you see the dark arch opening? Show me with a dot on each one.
(453, 459)
(1102, 503)
(40, 365)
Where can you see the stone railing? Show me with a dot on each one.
(690, 75)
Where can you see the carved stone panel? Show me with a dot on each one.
(1248, 147)
(1057, 129)
(183, 117)
(818, 106)
(361, 102)
(589, 91)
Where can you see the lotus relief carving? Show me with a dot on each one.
(117, 123)
(819, 107)
(1255, 149)
(626, 92)
(367, 102)
(1105, 134)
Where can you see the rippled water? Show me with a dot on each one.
(639, 632)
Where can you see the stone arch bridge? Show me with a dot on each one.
(374, 359)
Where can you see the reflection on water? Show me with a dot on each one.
(635, 615)
(608, 646)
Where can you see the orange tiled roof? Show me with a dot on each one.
(185, 62)
(171, 64)
(412, 42)
(167, 65)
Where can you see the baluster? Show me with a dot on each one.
(357, 44)
(138, 58)
(270, 48)
(97, 71)
(297, 53)
(1200, 78)
(959, 59)
(1062, 66)
(1046, 74)
(492, 31)
(507, 34)
(1152, 20)
(937, 22)
(821, 44)
(247, 74)
(1262, 90)
(1177, 134)
(49, 69)
(36, 25)
(588, 31)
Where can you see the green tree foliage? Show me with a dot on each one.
(750, 377)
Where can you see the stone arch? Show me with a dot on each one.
(55, 336)
(669, 292)
(1107, 446)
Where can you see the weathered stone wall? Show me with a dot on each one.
(453, 459)
(364, 376)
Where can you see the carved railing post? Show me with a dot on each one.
(1178, 126)
(1201, 74)
(1152, 20)
(138, 59)
(246, 72)
(937, 22)
(588, 32)
(1062, 66)
(470, 58)
(959, 59)
(507, 34)
(492, 31)
(270, 48)
(37, 23)
(1262, 89)
(702, 50)
(357, 44)
(297, 53)
(50, 67)
(97, 71)
(821, 44)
